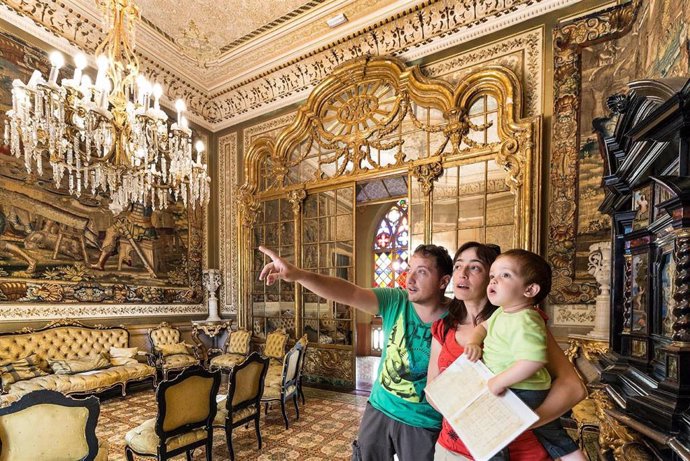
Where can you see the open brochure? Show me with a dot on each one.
(484, 422)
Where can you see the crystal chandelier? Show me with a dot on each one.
(111, 135)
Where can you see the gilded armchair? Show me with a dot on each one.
(284, 386)
(170, 353)
(235, 350)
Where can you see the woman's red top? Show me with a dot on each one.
(524, 448)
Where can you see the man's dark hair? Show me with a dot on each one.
(440, 256)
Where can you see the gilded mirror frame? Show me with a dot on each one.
(344, 118)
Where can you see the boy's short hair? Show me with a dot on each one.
(440, 256)
(534, 269)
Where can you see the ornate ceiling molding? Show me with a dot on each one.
(419, 32)
(235, 89)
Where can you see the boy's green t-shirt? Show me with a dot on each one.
(399, 389)
(517, 336)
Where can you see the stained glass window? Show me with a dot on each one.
(391, 250)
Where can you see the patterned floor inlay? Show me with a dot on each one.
(327, 425)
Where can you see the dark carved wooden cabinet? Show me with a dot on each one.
(646, 374)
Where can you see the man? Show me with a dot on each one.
(398, 419)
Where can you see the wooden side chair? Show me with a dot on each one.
(284, 387)
(303, 359)
(49, 425)
(235, 350)
(170, 353)
(186, 408)
(243, 402)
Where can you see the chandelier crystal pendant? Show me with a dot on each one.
(109, 135)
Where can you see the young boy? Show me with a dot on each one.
(514, 340)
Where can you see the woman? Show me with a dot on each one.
(471, 306)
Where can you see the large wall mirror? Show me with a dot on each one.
(460, 162)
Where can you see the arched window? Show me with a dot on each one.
(391, 251)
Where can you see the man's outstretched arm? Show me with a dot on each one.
(333, 288)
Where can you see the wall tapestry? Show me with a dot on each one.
(55, 248)
(596, 56)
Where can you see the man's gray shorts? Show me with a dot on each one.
(380, 437)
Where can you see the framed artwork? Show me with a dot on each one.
(638, 292)
(642, 201)
(667, 274)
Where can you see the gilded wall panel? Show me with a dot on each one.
(59, 249)
(228, 166)
(325, 366)
(229, 161)
(522, 53)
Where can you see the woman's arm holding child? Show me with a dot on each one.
(566, 387)
(518, 371)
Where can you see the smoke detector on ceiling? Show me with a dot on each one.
(335, 21)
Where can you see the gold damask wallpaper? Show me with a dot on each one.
(55, 248)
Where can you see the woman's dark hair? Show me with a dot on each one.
(457, 311)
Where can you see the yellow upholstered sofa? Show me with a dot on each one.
(31, 353)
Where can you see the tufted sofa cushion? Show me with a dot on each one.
(70, 367)
(275, 344)
(164, 335)
(173, 349)
(90, 381)
(68, 340)
(238, 343)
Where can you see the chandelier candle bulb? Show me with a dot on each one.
(56, 62)
(79, 65)
(109, 136)
(157, 93)
(180, 107)
(102, 63)
(35, 79)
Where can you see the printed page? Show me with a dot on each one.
(484, 422)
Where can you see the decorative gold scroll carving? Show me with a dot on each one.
(426, 174)
(615, 438)
(422, 24)
(228, 161)
(569, 40)
(681, 309)
(296, 197)
(328, 363)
